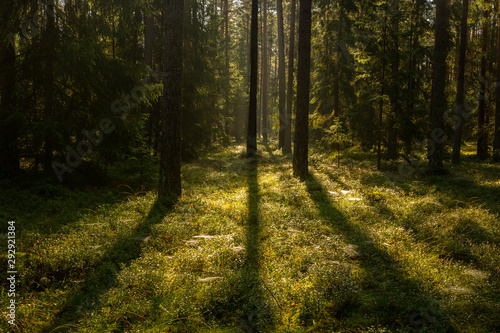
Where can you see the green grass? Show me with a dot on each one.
(250, 248)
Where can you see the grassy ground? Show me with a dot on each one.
(249, 248)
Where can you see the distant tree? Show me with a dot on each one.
(300, 154)
(435, 152)
(170, 161)
(289, 97)
(459, 101)
(252, 109)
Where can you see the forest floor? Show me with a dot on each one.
(250, 248)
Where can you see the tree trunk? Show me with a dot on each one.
(496, 142)
(252, 109)
(281, 74)
(300, 158)
(148, 59)
(289, 98)
(382, 92)
(9, 155)
(435, 151)
(336, 82)
(459, 101)
(169, 188)
(50, 41)
(392, 139)
(265, 76)
(226, 67)
(482, 141)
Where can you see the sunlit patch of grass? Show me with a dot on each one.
(250, 249)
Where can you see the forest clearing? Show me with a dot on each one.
(250, 248)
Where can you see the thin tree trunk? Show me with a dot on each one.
(289, 99)
(496, 142)
(49, 55)
(252, 109)
(227, 75)
(392, 138)
(482, 141)
(265, 75)
(382, 92)
(300, 156)
(169, 188)
(281, 74)
(435, 151)
(336, 82)
(459, 102)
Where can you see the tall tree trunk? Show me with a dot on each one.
(226, 67)
(169, 188)
(392, 138)
(435, 151)
(482, 140)
(382, 92)
(252, 109)
(49, 55)
(300, 158)
(289, 98)
(407, 135)
(459, 101)
(9, 154)
(336, 82)
(281, 74)
(496, 142)
(148, 59)
(265, 77)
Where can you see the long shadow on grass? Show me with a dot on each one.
(101, 278)
(393, 299)
(241, 298)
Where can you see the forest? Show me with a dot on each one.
(250, 166)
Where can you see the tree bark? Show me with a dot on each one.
(459, 101)
(300, 158)
(169, 188)
(289, 98)
(281, 74)
(252, 109)
(435, 152)
(482, 140)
